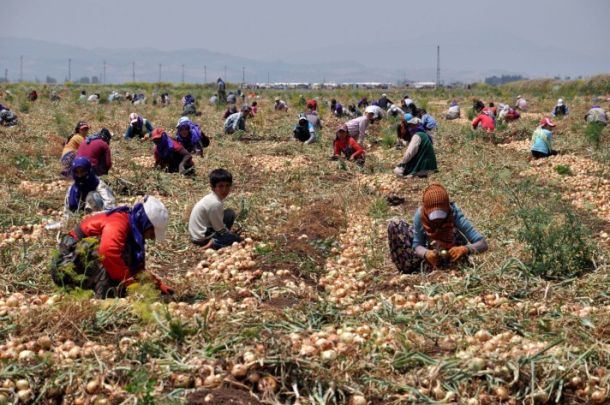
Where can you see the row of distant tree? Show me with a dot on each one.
(497, 80)
(52, 80)
(493, 80)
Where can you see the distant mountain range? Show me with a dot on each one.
(42, 58)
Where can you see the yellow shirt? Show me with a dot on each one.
(73, 144)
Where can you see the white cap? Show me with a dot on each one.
(182, 120)
(384, 95)
(133, 118)
(157, 215)
(414, 121)
(560, 101)
(369, 109)
(437, 214)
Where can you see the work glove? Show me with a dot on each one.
(431, 257)
(165, 289)
(457, 252)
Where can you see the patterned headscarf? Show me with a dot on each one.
(82, 185)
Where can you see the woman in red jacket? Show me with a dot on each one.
(106, 251)
(347, 145)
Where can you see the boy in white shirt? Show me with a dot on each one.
(210, 223)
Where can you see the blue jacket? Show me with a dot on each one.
(541, 139)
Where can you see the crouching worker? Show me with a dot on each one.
(541, 140)
(210, 223)
(170, 155)
(419, 158)
(88, 192)
(7, 117)
(304, 131)
(346, 145)
(441, 235)
(106, 251)
(237, 122)
(190, 136)
(138, 127)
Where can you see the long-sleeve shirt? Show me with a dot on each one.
(348, 145)
(139, 132)
(541, 140)
(305, 134)
(113, 231)
(357, 128)
(412, 149)
(462, 224)
(485, 121)
(73, 144)
(453, 112)
(280, 106)
(560, 110)
(235, 122)
(597, 114)
(102, 189)
(314, 118)
(207, 215)
(395, 110)
(98, 153)
(428, 122)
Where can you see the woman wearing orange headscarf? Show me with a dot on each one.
(441, 235)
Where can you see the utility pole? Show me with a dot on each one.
(243, 75)
(183, 73)
(133, 72)
(104, 74)
(69, 69)
(438, 65)
(6, 75)
(160, 72)
(205, 74)
(226, 78)
(21, 68)
(268, 79)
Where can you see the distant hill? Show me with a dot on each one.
(45, 58)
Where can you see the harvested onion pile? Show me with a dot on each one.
(27, 233)
(144, 161)
(585, 189)
(520, 146)
(385, 183)
(37, 188)
(346, 276)
(233, 264)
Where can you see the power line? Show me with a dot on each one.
(104, 74)
(182, 73)
(69, 69)
(160, 65)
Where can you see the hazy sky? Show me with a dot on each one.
(298, 31)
